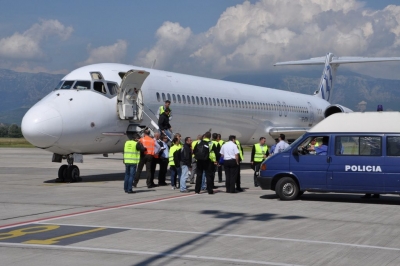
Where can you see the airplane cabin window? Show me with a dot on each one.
(168, 96)
(179, 98)
(215, 103)
(184, 99)
(82, 85)
(205, 99)
(193, 102)
(197, 100)
(218, 101)
(99, 87)
(163, 96)
(174, 98)
(188, 99)
(158, 97)
(209, 99)
(113, 89)
(67, 84)
(202, 101)
(226, 103)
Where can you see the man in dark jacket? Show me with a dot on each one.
(186, 163)
(163, 124)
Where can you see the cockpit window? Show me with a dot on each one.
(59, 85)
(99, 87)
(82, 85)
(112, 87)
(67, 84)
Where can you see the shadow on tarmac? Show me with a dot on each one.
(347, 198)
(233, 219)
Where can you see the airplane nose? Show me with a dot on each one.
(42, 126)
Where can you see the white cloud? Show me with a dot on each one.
(251, 37)
(114, 53)
(27, 45)
(172, 40)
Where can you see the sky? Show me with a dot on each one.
(211, 38)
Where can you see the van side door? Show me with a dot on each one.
(309, 167)
(356, 164)
(391, 165)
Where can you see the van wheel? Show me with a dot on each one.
(287, 189)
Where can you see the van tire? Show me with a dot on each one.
(287, 188)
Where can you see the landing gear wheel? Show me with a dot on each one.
(287, 189)
(62, 173)
(73, 174)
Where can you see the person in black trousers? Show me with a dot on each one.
(206, 165)
(230, 153)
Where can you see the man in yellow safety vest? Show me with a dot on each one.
(259, 153)
(131, 159)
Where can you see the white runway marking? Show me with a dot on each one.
(239, 236)
(122, 251)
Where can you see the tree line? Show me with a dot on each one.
(10, 131)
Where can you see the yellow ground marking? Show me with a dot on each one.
(57, 239)
(25, 231)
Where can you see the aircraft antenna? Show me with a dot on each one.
(154, 63)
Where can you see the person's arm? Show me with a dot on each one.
(253, 152)
(237, 158)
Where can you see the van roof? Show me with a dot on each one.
(371, 122)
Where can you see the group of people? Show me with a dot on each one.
(203, 158)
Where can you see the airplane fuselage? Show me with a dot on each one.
(85, 121)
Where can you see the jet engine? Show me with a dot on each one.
(336, 108)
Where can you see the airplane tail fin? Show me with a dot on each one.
(331, 63)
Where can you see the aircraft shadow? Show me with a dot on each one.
(347, 198)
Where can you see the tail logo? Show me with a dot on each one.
(326, 83)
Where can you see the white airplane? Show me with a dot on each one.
(93, 107)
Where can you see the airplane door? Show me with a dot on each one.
(311, 110)
(284, 109)
(130, 97)
(280, 108)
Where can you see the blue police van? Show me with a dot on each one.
(345, 153)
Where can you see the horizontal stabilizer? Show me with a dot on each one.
(338, 60)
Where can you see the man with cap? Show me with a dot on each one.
(164, 125)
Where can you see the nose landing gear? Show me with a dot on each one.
(69, 173)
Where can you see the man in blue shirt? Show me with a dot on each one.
(322, 149)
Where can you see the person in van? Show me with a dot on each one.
(322, 149)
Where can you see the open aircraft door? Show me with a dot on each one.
(130, 97)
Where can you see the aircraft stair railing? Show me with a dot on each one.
(153, 127)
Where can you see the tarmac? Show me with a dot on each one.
(94, 222)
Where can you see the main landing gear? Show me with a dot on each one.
(69, 172)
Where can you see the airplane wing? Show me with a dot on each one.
(291, 133)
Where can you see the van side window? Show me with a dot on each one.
(393, 146)
(358, 146)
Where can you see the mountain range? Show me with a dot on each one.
(358, 92)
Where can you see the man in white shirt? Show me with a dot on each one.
(230, 152)
(282, 145)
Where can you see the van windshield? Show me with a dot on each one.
(295, 143)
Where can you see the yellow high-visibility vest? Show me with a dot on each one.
(240, 150)
(259, 152)
(172, 150)
(131, 154)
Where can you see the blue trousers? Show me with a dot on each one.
(130, 170)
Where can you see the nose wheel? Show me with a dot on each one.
(69, 172)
